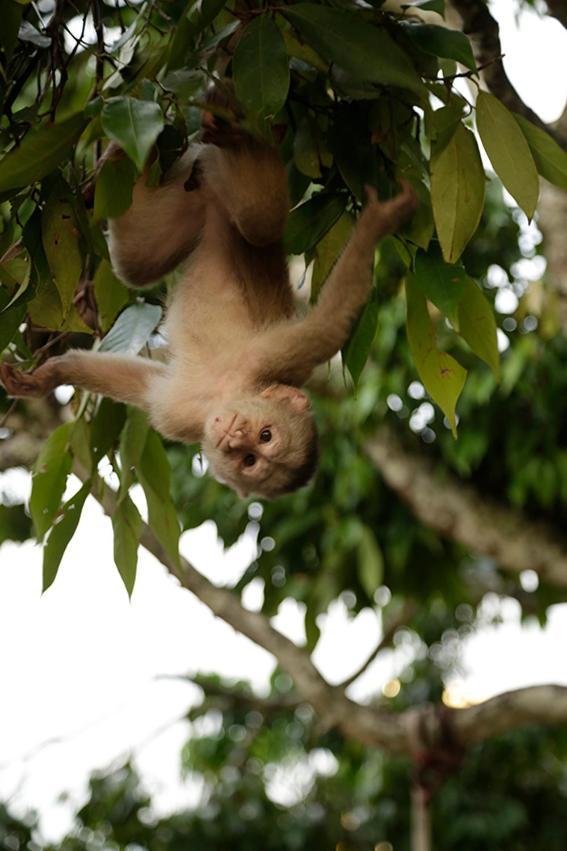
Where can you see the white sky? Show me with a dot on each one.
(78, 665)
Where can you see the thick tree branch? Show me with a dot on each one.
(558, 9)
(414, 731)
(478, 23)
(457, 511)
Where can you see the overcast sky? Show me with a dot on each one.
(78, 665)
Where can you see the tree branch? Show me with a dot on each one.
(478, 23)
(414, 731)
(457, 511)
(558, 9)
(404, 615)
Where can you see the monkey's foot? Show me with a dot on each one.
(20, 384)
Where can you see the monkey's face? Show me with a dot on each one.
(254, 442)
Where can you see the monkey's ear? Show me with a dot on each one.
(298, 400)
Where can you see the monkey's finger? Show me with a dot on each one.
(371, 194)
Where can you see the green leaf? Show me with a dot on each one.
(132, 441)
(328, 250)
(60, 239)
(197, 16)
(49, 478)
(15, 523)
(132, 329)
(440, 41)
(260, 68)
(110, 293)
(127, 527)
(441, 283)
(61, 533)
(508, 151)
(364, 51)
(370, 562)
(550, 159)
(154, 476)
(457, 192)
(40, 152)
(106, 427)
(357, 349)
(477, 325)
(305, 150)
(10, 319)
(428, 6)
(134, 125)
(309, 222)
(11, 17)
(442, 376)
(113, 191)
(459, 298)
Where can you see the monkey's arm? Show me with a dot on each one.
(126, 379)
(161, 227)
(292, 350)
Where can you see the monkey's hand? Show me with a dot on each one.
(20, 384)
(388, 216)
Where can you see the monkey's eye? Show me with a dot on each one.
(249, 460)
(265, 435)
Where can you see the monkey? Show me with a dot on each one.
(239, 355)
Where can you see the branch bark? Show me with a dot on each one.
(457, 511)
(558, 9)
(414, 731)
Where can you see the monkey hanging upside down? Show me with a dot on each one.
(238, 354)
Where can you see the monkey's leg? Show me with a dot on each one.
(249, 184)
(126, 379)
(162, 226)
(294, 349)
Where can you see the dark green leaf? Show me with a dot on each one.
(260, 68)
(127, 526)
(427, 6)
(358, 346)
(11, 17)
(328, 251)
(132, 329)
(49, 478)
(440, 41)
(10, 319)
(113, 191)
(106, 427)
(134, 125)
(309, 222)
(110, 293)
(132, 442)
(366, 52)
(15, 524)
(40, 152)
(61, 534)
(154, 475)
(441, 283)
(60, 239)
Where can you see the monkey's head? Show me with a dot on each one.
(263, 444)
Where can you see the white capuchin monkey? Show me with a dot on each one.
(238, 354)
